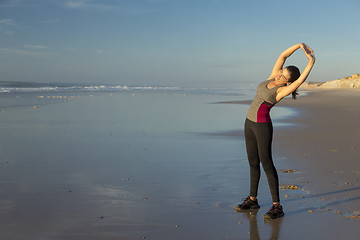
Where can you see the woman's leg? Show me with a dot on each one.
(253, 156)
(264, 140)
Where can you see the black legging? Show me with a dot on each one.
(258, 138)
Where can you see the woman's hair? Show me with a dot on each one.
(294, 74)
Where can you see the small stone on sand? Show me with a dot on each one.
(287, 171)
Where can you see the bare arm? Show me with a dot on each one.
(284, 91)
(282, 58)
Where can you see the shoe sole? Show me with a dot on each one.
(247, 209)
(269, 217)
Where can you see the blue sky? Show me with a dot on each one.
(173, 42)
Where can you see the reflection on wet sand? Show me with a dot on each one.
(275, 224)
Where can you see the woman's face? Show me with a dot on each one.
(283, 77)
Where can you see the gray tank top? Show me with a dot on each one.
(264, 100)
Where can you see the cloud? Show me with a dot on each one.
(124, 7)
(100, 6)
(12, 3)
(9, 33)
(36, 47)
(25, 3)
(87, 5)
(75, 4)
(17, 51)
(7, 21)
(49, 21)
(6, 24)
(33, 52)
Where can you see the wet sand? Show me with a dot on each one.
(121, 167)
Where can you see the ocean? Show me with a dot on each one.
(29, 93)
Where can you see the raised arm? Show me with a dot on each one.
(282, 58)
(284, 91)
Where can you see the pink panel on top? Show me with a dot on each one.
(263, 114)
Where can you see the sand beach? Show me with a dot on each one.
(320, 175)
(325, 143)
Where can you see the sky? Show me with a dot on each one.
(174, 42)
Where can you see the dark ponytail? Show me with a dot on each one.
(294, 75)
(294, 94)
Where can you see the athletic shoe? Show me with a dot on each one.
(275, 211)
(247, 204)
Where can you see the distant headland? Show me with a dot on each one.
(352, 81)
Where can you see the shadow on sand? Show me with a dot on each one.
(330, 203)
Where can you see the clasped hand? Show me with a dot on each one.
(308, 51)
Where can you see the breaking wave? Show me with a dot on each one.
(34, 87)
(23, 87)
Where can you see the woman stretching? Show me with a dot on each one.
(259, 130)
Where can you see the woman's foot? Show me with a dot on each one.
(247, 204)
(275, 211)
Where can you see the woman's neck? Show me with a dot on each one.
(273, 84)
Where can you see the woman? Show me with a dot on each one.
(258, 127)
